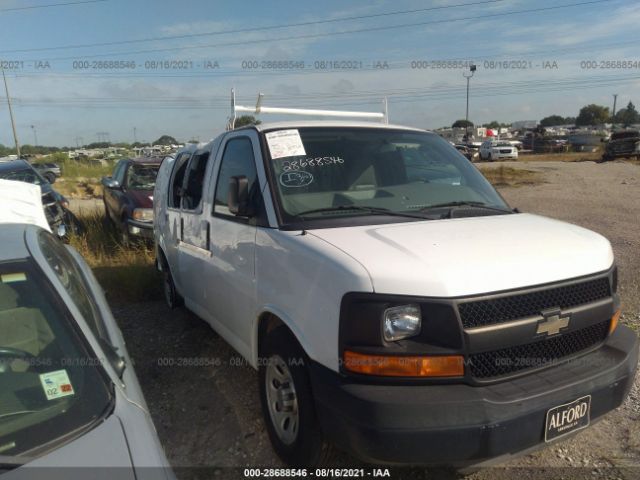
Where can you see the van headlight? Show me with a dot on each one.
(143, 214)
(400, 322)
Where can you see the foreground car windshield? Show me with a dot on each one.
(142, 177)
(395, 170)
(50, 387)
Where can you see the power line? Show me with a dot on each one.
(253, 29)
(362, 98)
(65, 4)
(343, 32)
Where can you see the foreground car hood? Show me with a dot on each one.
(467, 256)
(100, 454)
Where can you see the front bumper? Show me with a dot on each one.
(463, 425)
(140, 229)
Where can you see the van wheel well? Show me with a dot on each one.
(268, 323)
(161, 260)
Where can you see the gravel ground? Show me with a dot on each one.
(204, 399)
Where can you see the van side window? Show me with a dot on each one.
(237, 160)
(175, 186)
(194, 181)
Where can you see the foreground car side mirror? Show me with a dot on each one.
(115, 360)
(109, 182)
(238, 197)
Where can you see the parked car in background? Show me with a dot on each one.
(56, 206)
(50, 171)
(347, 262)
(623, 144)
(470, 153)
(497, 150)
(69, 396)
(128, 197)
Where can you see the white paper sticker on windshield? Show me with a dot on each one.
(13, 277)
(56, 384)
(285, 143)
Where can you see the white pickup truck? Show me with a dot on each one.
(394, 305)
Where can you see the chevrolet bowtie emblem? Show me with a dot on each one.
(553, 322)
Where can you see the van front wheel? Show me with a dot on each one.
(287, 403)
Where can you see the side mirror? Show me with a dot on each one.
(109, 182)
(238, 197)
(116, 361)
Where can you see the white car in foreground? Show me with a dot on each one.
(391, 301)
(492, 150)
(70, 403)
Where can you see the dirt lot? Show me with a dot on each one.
(204, 400)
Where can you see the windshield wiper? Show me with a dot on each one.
(21, 412)
(466, 203)
(361, 208)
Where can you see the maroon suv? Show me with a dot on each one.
(128, 196)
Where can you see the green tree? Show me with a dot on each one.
(553, 120)
(99, 145)
(592, 115)
(243, 120)
(166, 140)
(462, 124)
(627, 116)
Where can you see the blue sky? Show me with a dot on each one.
(69, 104)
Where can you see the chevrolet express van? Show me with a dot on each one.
(392, 302)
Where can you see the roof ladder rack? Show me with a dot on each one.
(235, 108)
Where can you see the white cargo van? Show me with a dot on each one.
(394, 305)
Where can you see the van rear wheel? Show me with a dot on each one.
(287, 403)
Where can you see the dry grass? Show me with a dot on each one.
(127, 274)
(79, 188)
(561, 157)
(511, 177)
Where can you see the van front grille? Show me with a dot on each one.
(541, 353)
(480, 313)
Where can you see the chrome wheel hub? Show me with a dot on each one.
(282, 400)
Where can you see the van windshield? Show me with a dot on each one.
(327, 169)
(50, 386)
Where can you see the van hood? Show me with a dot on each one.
(470, 256)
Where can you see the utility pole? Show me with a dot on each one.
(615, 99)
(13, 124)
(135, 137)
(35, 136)
(472, 69)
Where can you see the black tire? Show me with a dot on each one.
(107, 217)
(171, 295)
(309, 448)
(125, 238)
(49, 177)
(74, 225)
(490, 158)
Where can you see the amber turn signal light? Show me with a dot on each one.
(614, 321)
(396, 366)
